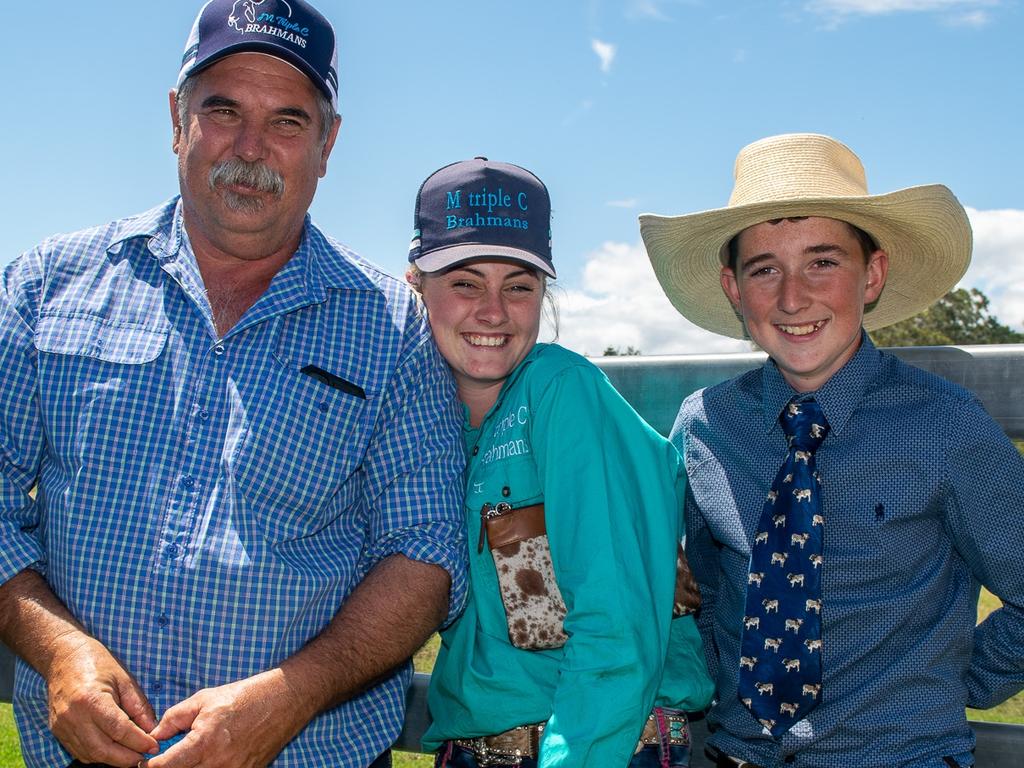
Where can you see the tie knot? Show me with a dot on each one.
(804, 424)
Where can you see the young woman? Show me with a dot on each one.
(568, 653)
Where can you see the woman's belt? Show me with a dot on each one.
(667, 727)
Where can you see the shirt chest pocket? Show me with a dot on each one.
(101, 376)
(309, 426)
(95, 338)
(510, 479)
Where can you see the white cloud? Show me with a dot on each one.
(959, 12)
(605, 52)
(621, 304)
(654, 10)
(627, 203)
(645, 9)
(997, 266)
(879, 7)
(971, 19)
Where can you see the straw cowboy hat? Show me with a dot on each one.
(924, 229)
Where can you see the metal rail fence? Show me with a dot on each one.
(655, 386)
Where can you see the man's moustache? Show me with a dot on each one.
(256, 176)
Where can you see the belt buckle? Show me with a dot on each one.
(486, 756)
(676, 729)
(505, 748)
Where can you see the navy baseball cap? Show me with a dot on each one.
(478, 208)
(290, 30)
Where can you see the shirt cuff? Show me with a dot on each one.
(424, 548)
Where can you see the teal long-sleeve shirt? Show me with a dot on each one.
(612, 487)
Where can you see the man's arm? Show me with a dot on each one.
(97, 711)
(987, 478)
(247, 723)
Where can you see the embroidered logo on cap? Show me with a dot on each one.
(487, 209)
(267, 23)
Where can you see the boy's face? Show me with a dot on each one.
(801, 286)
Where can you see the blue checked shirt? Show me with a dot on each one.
(922, 495)
(203, 506)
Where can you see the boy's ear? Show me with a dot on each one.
(877, 270)
(731, 286)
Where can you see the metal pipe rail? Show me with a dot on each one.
(655, 386)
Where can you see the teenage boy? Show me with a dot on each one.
(843, 506)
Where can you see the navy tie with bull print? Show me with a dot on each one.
(780, 657)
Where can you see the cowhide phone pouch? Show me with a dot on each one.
(534, 608)
(518, 541)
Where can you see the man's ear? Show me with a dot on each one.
(172, 99)
(877, 270)
(332, 136)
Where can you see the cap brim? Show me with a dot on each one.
(267, 48)
(443, 258)
(924, 230)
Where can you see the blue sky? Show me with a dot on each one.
(620, 106)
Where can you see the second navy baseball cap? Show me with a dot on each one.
(480, 208)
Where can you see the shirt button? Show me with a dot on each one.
(219, 350)
(162, 620)
(203, 414)
(476, 449)
(189, 482)
(324, 406)
(171, 551)
(158, 686)
(506, 491)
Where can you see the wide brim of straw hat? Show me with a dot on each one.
(924, 230)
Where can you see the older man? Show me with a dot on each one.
(244, 446)
(842, 506)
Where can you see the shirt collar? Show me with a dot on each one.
(838, 397)
(320, 263)
(509, 382)
(158, 224)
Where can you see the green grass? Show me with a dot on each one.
(423, 659)
(1011, 711)
(10, 752)
(409, 760)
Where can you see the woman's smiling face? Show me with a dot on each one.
(485, 316)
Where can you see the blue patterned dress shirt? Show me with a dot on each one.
(922, 496)
(204, 507)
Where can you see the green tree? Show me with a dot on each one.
(962, 316)
(611, 351)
